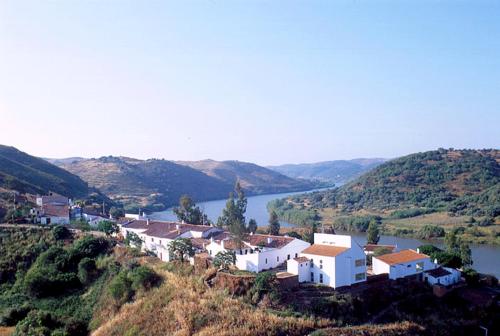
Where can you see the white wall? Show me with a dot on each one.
(302, 269)
(447, 280)
(332, 239)
(401, 270)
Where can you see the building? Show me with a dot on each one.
(156, 235)
(258, 252)
(54, 214)
(370, 248)
(52, 199)
(333, 260)
(402, 264)
(442, 276)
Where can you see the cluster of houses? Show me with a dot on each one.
(57, 209)
(333, 260)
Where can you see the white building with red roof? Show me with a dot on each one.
(258, 252)
(402, 264)
(333, 260)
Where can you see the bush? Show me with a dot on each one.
(12, 316)
(120, 288)
(471, 277)
(143, 277)
(61, 232)
(430, 231)
(90, 247)
(87, 270)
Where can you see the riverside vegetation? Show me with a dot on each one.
(422, 195)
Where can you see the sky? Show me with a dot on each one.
(269, 82)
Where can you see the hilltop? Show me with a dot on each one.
(338, 171)
(157, 184)
(253, 178)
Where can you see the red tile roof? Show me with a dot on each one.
(325, 250)
(52, 210)
(301, 259)
(401, 257)
(372, 247)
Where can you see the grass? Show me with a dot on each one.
(6, 331)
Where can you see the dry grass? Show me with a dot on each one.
(6, 331)
(182, 305)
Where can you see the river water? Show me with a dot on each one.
(486, 257)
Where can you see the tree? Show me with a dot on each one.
(451, 242)
(132, 239)
(108, 227)
(233, 215)
(465, 255)
(252, 226)
(181, 249)
(116, 212)
(87, 270)
(188, 212)
(373, 233)
(274, 224)
(224, 259)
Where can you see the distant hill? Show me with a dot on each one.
(459, 181)
(59, 162)
(157, 184)
(253, 178)
(338, 171)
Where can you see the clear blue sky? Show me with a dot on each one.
(262, 81)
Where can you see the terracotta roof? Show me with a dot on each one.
(52, 210)
(373, 247)
(262, 240)
(401, 257)
(158, 226)
(55, 199)
(199, 243)
(325, 250)
(438, 272)
(301, 259)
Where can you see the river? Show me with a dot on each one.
(486, 257)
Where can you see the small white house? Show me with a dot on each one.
(333, 260)
(442, 276)
(54, 214)
(259, 252)
(402, 264)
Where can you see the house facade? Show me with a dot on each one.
(333, 260)
(442, 276)
(402, 264)
(156, 235)
(259, 252)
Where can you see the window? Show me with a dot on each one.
(320, 266)
(360, 276)
(246, 251)
(321, 278)
(419, 267)
(153, 240)
(288, 257)
(360, 262)
(266, 260)
(277, 258)
(312, 276)
(312, 263)
(296, 255)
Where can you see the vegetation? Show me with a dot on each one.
(233, 215)
(274, 224)
(53, 284)
(224, 259)
(188, 212)
(108, 227)
(373, 233)
(252, 226)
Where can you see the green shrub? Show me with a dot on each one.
(430, 231)
(143, 277)
(61, 232)
(87, 270)
(120, 288)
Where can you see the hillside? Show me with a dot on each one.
(444, 188)
(26, 174)
(253, 178)
(338, 171)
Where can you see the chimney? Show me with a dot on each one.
(251, 233)
(418, 250)
(211, 239)
(177, 227)
(222, 243)
(147, 221)
(269, 240)
(435, 261)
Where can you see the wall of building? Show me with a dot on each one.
(301, 269)
(402, 270)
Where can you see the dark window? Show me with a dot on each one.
(288, 257)
(266, 260)
(312, 277)
(321, 278)
(277, 258)
(296, 255)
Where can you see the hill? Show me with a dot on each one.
(253, 178)
(338, 171)
(444, 188)
(157, 184)
(28, 174)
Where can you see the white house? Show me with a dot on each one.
(333, 260)
(402, 264)
(54, 214)
(156, 235)
(442, 276)
(94, 220)
(259, 252)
